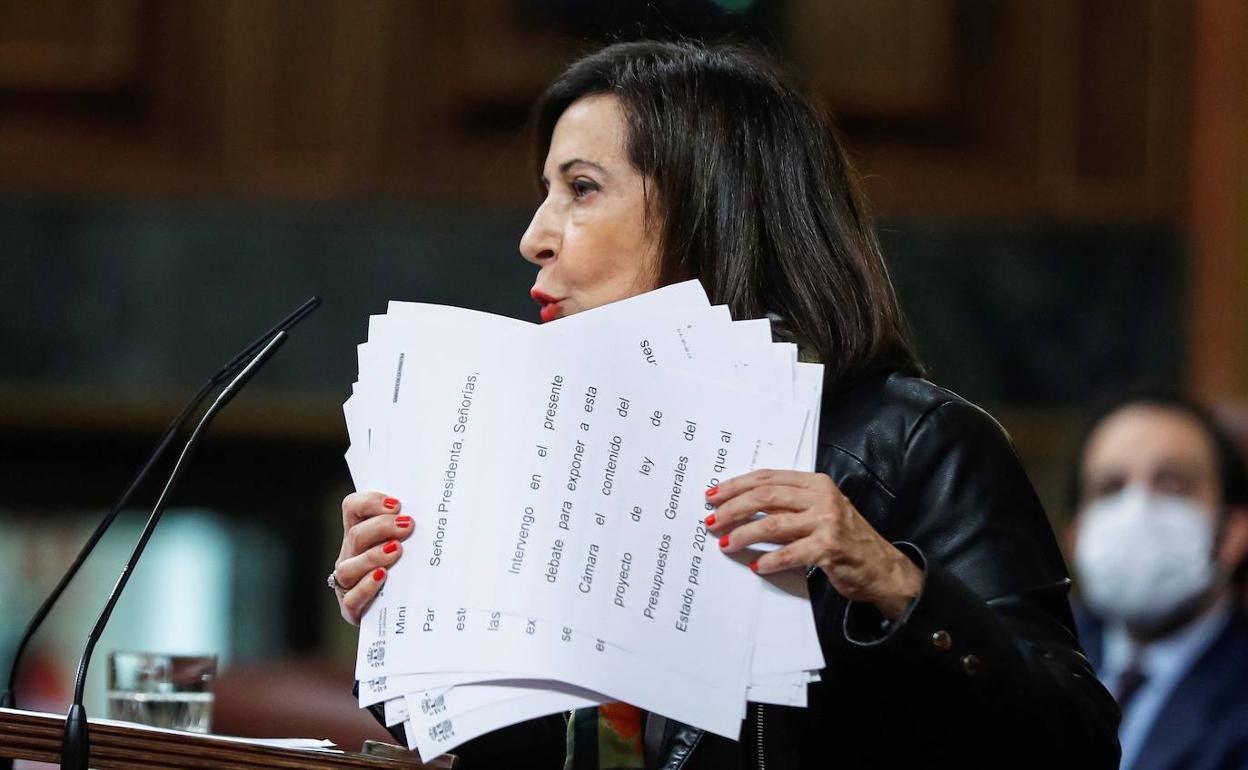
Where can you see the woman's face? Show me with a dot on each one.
(590, 237)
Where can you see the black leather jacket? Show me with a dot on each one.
(984, 670)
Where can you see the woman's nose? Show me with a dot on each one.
(540, 242)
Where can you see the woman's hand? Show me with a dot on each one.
(817, 526)
(371, 530)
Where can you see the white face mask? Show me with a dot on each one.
(1143, 557)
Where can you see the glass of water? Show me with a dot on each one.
(173, 691)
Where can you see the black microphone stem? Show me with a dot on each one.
(284, 325)
(8, 698)
(75, 749)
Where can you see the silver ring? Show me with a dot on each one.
(334, 585)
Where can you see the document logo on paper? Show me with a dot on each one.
(433, 705)
(377, 653)
(442, 731)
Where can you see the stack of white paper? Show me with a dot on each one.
(556, 475)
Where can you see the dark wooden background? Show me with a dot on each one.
(1062, 185)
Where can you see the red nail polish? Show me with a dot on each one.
(754, 566)
(710, 520)
(379, 574)
(403, 521)
(712, 491)
(390, 503)
(723, 542)
(391, 547)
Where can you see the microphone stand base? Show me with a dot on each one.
(6, 701)
(76, 747)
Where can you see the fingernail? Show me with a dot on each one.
(390, 503)
(379, 574)
(403, 521)
(754, 566)
(391, 547)
(723, 542)
(710, 520)
(712, 491)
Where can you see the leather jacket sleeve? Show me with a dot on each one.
(990, 637)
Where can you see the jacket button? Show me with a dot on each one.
(942, 640)
(970, 665)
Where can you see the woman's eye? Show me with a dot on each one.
(582, 187)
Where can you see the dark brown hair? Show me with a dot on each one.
(756, 196)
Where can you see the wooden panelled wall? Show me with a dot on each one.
(966, 109)
(958, 107)
(1217, 210)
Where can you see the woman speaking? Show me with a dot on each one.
(937, 587)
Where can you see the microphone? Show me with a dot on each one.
(76, 744)
(8, 697)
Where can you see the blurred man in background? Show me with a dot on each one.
(1160, 544)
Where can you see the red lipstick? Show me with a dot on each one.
(550, 305)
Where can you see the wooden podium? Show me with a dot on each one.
(35, 736)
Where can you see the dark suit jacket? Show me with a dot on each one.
(1204, 723)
